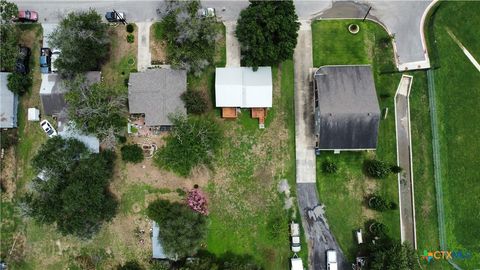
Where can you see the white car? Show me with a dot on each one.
(48, 128)
(295, 234)
(331, 260)
(53, 58)
(207, 12)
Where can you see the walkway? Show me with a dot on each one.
(404, 159)
(144, 57)
(232, 44)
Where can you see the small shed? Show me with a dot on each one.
(296, 264)
(33, 114)
(157, 249)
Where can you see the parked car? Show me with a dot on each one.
(45, 60)
(48, 128)
(207, 12)
(332, 260)
(114, 16)
(295, 236)
(22, 61)
(54, 57)
(27, 16)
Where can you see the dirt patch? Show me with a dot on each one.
(120, 47)
(370, 186)
(157, 49)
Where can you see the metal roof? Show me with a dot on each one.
(8, 104)
(157, 249)
(156, 93)
(242, 87)
(348, 114)
(68, 130)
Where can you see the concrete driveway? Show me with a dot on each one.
(144, 57)
(232, 44)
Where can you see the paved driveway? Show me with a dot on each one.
(144, 57)
(233, 46)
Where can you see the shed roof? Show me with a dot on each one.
(243, 87)
(156, 93)
(157, 249)
(348, 112)
(8, 103)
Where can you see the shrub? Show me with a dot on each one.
(393, 206)
(180, 192)
(329, 166)
(195, 101)
(197, 201)
(396, 169)
(19, 83)
(8, 138)
(130, 28)
(376, 168)
(130, 38)
(122, 139)
(378, 203)
(378, 229)
(132, 153)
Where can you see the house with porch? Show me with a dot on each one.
(155, 94)
(241, 87)
(347, 113)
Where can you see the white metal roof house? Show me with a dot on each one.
(347, 113)
(68, 130)
(157, 249)
(8, 104)
(241, 87)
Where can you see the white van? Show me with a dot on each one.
(331, 260)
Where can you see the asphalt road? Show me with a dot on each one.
(401, 18)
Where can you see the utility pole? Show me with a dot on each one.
(368, 11)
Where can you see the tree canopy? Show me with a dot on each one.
(181, 229)
(267, 32)
(8, 11)
(19, 83)
(73, 191)
(97, 109)
(193, 141)
(393, 256)
(83, 41)
(190, 38)
(9, 37)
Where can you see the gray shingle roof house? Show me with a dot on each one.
(53, 88)
(156, 94)
(347, 114)
(8, 104)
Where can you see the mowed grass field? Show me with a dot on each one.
(457, 84)
(344, 193)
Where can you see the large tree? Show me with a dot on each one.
(267, 32)
(73, 191)
(98, 109)
(190, 38)
(83, 41)
(393, 256)
(181, 229)
(8, 11)
(193, 141)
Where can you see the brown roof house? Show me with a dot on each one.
(155, 94)
(347, 114)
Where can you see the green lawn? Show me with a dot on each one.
(344, 192)
(247, 215)
(457, 92)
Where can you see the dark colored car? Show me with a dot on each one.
(113, 16)
(27, 16)
(22, 61)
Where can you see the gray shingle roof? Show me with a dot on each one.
(8, 103)
(348, 114)
(156, 93)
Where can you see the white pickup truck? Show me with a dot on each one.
(332, 260)
(295, 235)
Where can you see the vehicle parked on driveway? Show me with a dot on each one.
(332, 260)
(114, 16)
(207, 12)
(27, 16)
(54, 57)
(295, 237)
(45, 60)
(22, 61)
(48, 128)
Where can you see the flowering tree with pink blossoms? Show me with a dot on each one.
(197, 201)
